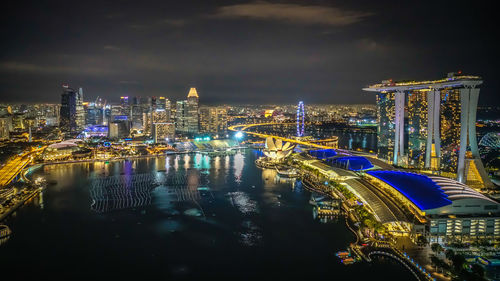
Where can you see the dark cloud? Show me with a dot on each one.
(291, 13)
(239, 51)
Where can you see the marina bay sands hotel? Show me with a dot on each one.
(431, 125)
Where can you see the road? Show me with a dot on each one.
(16, 165)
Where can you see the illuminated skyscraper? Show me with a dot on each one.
(213, 120)
(4, 127)
(180, 116)
(72, 113)
(192, 112)
(431, 125)
(187, 116)
(163, 132)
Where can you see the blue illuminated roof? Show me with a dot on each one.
(322, 153)
(419, 189)
(353, 163)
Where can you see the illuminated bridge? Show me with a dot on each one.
(330, 143)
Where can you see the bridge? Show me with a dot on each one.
(369, 252)
(311, 143)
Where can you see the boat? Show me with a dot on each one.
(343, 254)
(4, 231)
(289, 173)
(348, 261)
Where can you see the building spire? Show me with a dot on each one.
(192, 93)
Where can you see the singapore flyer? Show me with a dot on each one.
(301, 116)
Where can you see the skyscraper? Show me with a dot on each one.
(192, 112)
(181, 116)
(4, 127)
(72, 113)
(213, 120)
(187, 116)
(435, 130)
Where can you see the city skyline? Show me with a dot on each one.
(239, 52)
(249, 139)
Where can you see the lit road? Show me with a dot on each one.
(16, 165)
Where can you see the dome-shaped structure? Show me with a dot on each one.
(277, 149)
(491, 139)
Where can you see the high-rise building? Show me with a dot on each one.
(186, 114)
(5, 123)
(213, 120)
(95, 114)
(136, 111)
(192, 112)
(431, 125)
(181, 117)
(72, 114)
(163, 132)
(119, 129)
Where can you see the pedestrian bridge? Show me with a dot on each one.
(417, 270)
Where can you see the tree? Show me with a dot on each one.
(477, 270)
(421, 240)
(458, 263)
(436, 248)
(449, 254)
(435, 261)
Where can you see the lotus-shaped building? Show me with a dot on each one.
(277, 149)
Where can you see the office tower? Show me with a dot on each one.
(160, 115)
(72, 113)
(18, 121)
(4, 127)
(136, 116)
(119, 129)
(431, 125)
(124, 101)
(213, 120)
(192, 112)
(163, 132)
(181, 116)
(107, 112)
(95, 114)
(80, 111)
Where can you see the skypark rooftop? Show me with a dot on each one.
(452, 81)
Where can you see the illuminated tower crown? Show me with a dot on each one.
(192, 93)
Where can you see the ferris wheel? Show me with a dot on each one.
(301, 117)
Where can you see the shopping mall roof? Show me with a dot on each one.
(419, 189)
(428, 192)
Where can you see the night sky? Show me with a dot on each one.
(240, 51)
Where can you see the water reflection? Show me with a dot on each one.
(136, 190)
(239, 162)
(242, 202)
(251, 234)
(268, 177)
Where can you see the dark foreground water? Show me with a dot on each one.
(205, 217)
